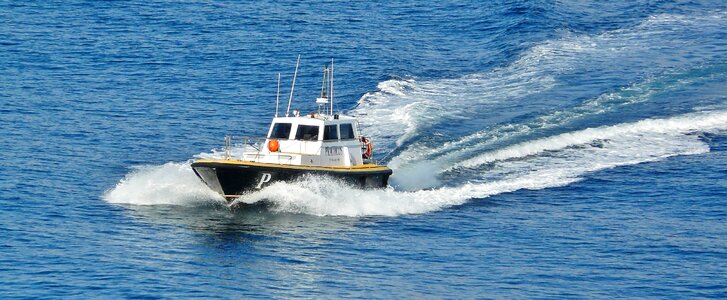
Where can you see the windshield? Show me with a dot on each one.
(330, 132)
(307, 133)
(281, 131)
(346, 131)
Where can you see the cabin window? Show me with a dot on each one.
(307, 133)
(281, 131)
(330, 132)
(346, 131)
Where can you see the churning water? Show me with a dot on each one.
(539, 149)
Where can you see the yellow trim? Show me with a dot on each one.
(364, 167)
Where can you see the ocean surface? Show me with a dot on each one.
(541, 149)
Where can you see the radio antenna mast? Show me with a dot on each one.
(324, 85)
(277, 97)
(292, 88)
(331, 86)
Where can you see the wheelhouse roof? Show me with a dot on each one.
(308, 120)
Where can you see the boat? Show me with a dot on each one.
(320, 143)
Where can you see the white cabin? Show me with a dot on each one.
(313, 140)
(319, 139)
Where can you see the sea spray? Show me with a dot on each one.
(401, 111)
(652, 129)
(569, 157)
(171, 183)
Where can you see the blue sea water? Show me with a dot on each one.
(541, 149)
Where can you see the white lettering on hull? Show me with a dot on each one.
(264, 179)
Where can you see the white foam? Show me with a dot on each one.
(576, 154)
(645, 129)
(453, 152)
(536, 164)
(171, 183)
(402, 109)
(324, 197)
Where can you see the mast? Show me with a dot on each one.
(323, 84)
(331, 86)
(277, 97)
(322, 101)
(292, 88)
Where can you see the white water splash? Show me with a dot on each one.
(658, 130)
(570, 156)
(537, 164)
(171, 183)
(402, 109)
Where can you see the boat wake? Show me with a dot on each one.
(540, 122)
(543, 163)
(550, 74)
(538, 164)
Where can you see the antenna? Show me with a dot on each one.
(323, 84)
(290, 100)
(322, 101)
(277, 97)
(331, 86)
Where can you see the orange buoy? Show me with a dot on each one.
(273, 145)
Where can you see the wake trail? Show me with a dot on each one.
(400, 111)
(493, 157)
(571, 157)
(536, 164)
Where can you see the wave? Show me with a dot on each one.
(660, 130)
(442, 156)
(169, 184)
(511, 110)
(538, 164)
(547, 75)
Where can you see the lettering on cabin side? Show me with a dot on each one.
(333, 150)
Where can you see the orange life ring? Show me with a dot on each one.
(369, 150)
(273, 145)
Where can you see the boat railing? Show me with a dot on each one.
(248, 148)
(236, 146)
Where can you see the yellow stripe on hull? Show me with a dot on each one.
(359, 168)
